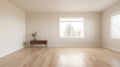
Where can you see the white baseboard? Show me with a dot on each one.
(10, 52)
(111, 48)
(74, 45)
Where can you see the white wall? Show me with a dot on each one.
(12, 28)
(47, 27)
(107, 41)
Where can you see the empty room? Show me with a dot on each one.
(59, 33)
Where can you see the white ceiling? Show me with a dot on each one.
(63, 5)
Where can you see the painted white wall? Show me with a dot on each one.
(12, 28)
(47, 27)
(107, 41)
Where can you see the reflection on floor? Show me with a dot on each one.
(62, 57)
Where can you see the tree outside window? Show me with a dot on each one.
(72, 27)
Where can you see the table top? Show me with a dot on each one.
(38, 40)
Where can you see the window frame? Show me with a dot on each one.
(111, 32)
(75, 22)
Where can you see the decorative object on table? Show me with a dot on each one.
(34, 35)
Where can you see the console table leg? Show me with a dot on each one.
(46, 45)
(31, 46)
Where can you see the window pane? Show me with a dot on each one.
(115, 27)
(72, 29)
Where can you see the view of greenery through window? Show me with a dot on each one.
(115, 26)
(72, 27)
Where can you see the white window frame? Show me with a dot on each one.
(111, 26)
(77, 21)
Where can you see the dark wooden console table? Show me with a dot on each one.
(38, 42)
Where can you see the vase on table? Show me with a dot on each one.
(34, 35)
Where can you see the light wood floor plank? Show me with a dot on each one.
(62, 57)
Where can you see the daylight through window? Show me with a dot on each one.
(115, 26)
(71, 27)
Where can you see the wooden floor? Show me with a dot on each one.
(62, 57)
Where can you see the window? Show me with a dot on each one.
(115, 26)
(71, 27)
